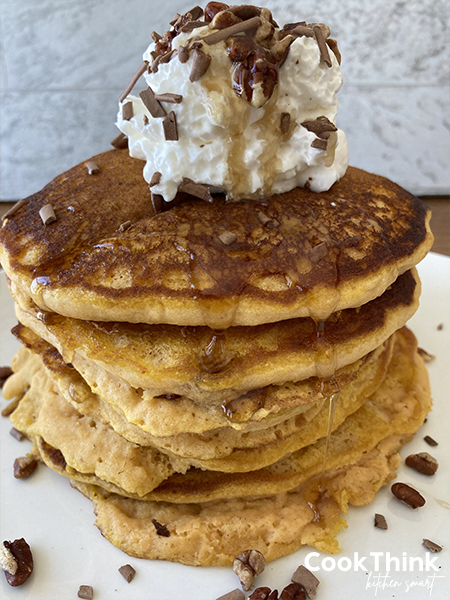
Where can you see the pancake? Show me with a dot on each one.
(207, 366)
(45, 413)
(214, 533)
(89, 445)
(296, 254)
(86, 449)
(399, 406)
(142, 414)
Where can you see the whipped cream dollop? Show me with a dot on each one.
(249, 138)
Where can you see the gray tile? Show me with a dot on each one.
(382, 41)
(78, 44)
(65, 62)
(44, 134)
(402, 133)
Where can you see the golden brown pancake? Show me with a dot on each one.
(88, 450)
(214, 533)
(214, 368)
(140, 417)
(48, 414)
(296, 254)
(399, 406)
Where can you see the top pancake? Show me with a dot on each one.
(296, 254)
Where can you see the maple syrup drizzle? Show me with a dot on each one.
(325, 365)
(215, 358)
(218, 313)
(236, 124)
(332, 401)
(37, 288)
(270, 132)
(242, 409)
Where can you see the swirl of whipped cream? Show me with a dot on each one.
(227, 143)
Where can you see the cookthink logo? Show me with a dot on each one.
(379, 566)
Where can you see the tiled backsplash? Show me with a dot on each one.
(64, 63)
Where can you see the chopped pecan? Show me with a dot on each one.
(239, 48)
(233, 595)
(293, 591)
(263, 76)
(247, 566)
(261, 593)
(224, 19)
(290, 26)
(21, 561)
(408, 495)
(7, 561)
(24, 466)
(248, 11)
(54, 455)
(280, 49)
(164, 45)
(265, 31)
(423, 463)
(245, 11)
(255, 78)
(161, 529)
(241, 84)
(212, 8)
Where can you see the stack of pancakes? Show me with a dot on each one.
(219, 376)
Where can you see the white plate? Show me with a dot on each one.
(69, 551)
